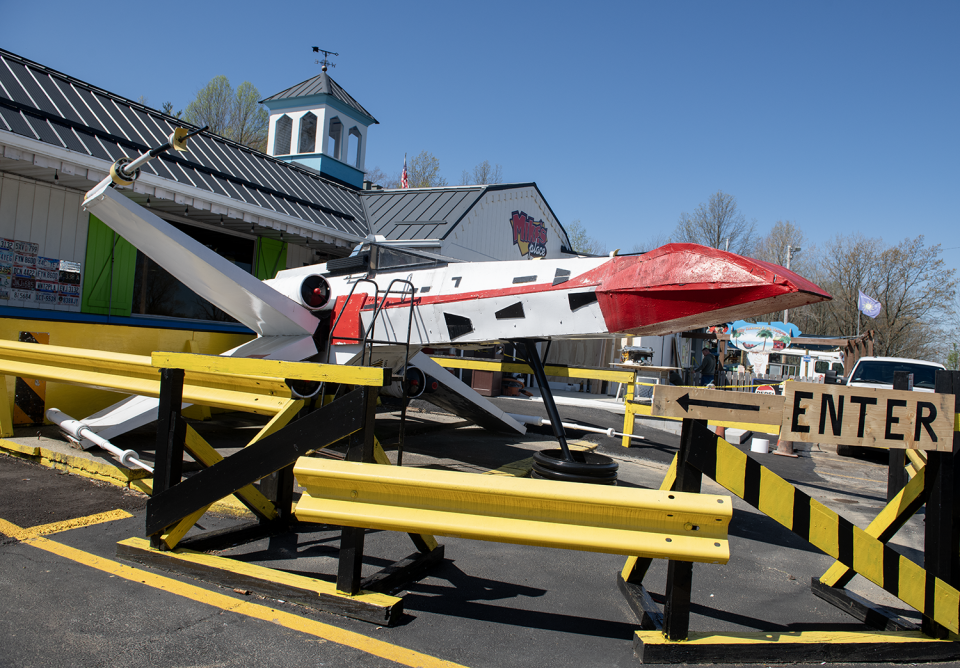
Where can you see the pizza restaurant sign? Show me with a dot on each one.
(529, 235)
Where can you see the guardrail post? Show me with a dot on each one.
(676, 609)
(941, 557)
(897, 477)
(171, 432)
(360, 449)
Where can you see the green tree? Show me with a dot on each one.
(717, 223)
(581, 242)
(424, 172)
(167, 108)
(234, 114)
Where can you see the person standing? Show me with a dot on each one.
(708, 367)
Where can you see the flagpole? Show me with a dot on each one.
(858, 311)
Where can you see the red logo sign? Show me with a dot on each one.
(529, 235)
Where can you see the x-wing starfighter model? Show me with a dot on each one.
(407, 300)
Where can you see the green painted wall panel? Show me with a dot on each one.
(271, 258)
(109, 268)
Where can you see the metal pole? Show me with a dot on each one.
(786, 312)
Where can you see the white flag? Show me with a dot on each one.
(868, 305)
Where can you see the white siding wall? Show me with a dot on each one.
(298, 256)
(486, 232)
(46, 215)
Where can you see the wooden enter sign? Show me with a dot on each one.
(689, 402)
(815, 413)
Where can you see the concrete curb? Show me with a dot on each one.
(105, 472)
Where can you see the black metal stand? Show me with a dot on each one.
(533, 359)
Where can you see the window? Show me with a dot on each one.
(282, 133)
(308, 133)
(156, 292)
(333, 138)
(353, 147)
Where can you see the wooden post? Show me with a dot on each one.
(278, 488)
(361, 449)
(941, 557)
(897, 477)
(171, 432)
(676, 609)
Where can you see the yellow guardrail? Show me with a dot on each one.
(593, 518)
(233, 366)
(247, 385)
(551, 370)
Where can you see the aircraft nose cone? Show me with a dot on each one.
(685, 286)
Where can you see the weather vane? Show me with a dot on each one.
(325, 61)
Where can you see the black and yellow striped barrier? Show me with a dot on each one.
(823, 528)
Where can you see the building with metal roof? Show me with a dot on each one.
(506, 221)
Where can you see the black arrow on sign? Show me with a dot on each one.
(685, 402)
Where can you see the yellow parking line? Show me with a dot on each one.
(385, 650)
(89, 520)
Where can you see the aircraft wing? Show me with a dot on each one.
(213, 277)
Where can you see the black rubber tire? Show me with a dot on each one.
(586, 467)
(546, 474)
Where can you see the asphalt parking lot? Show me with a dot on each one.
(68, 600)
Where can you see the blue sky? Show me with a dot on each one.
(839, 116)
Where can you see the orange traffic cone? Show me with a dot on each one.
(785, 448)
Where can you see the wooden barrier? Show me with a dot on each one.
(923, 421)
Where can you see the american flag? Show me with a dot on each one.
(403, 177)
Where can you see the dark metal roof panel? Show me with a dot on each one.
(418, 214)
(38, 102)
(17, 123)
(322, 84)
(33, 91)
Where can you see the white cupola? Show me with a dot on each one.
(317, 124)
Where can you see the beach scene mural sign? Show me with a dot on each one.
(762, 337)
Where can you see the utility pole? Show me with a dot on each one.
(790, 251)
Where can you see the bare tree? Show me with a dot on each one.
(424, 172)
(773, 247)
(581, 242)
(655, 241)
(911, 281)
(717, 223)
(378, 177)
(232, 114)
(483, 174)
